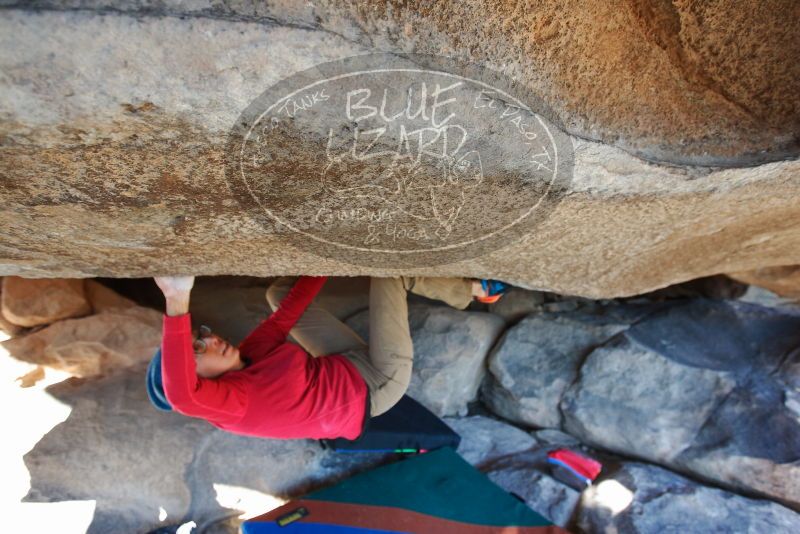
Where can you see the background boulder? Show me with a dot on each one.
(28, 302)
(484, 439)
(450, 348)
(537, 359)
(93, 345)
(644, 499)
(708, 387)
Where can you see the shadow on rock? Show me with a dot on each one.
(148, 470)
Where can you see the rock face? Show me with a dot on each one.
(121, 147)
(526, 474)
(784, 281)
(726, 410)
(73, 460)
(641, 499)
(517, 303)
(93, 345)
(38, 302)
(666, 81)
(7, 326)
(484, 440)
(231, 306)
(162, 461)
(450, 348)
(706, 387)
(536, 360)
(627, 497)
(113, 444)
(103, 299)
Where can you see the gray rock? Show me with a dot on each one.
(517, 303)
(636, 402)
(450, 347)
(554, 437)
(517, 462)
(536, 361)
(644, 499)
(525, 474)
(631, 497)
(706, 387)
(765, 297)
(484, 439)
(280, 468)
(116, 449)
(565, 305)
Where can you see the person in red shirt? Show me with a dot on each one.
(325, 387)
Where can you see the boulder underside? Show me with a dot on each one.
(683, 122)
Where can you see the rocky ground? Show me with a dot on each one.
(690, 397)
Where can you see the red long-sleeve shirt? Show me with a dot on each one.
(282, 393)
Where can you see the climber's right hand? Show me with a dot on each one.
(175, 286)
(176, 291)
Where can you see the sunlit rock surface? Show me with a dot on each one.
(93, 345)
(115, 116)
(134, 461)
(39, 302)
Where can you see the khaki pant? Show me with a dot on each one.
(386, 362)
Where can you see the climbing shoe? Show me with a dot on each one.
(494, 290)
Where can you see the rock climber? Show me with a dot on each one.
(327, 385)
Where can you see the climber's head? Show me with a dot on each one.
(214, 355)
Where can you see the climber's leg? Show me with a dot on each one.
(457, 292)
(318, 330)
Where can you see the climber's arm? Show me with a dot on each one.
(215, 399)
(274, 330)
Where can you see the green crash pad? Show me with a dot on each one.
(433, 492)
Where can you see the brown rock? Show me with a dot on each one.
(30, 378)
(687, 82)
(102, 298)
(28, 302)
(7, 326)
(140, 189)
(784, 281)
(92, 345)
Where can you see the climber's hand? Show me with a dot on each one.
(175, 286)
(176, 291)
